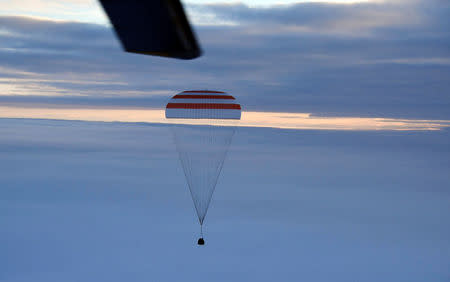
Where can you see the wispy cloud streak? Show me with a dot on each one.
(249, 119)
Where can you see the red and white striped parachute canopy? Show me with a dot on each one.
(203, 104)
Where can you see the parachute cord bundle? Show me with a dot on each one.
(202, 150)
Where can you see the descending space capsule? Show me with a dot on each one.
(204, 125)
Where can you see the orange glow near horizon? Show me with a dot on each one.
(249, 119)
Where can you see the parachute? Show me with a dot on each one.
(202, 146)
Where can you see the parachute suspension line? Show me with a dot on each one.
(201, 230)
(223, 136)
(186, 162)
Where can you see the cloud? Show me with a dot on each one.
(299, 58)
(317, 17)
(61, 10)
(109, 202)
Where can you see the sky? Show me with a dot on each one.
(338, 171)
(379, 59)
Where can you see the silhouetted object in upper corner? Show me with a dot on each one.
(201, 241)
(152, 27)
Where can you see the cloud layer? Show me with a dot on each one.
(88, 201)
(377, 59)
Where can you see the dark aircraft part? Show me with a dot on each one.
(201, 241)
(152, 27)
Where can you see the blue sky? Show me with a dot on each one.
(339, 172)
